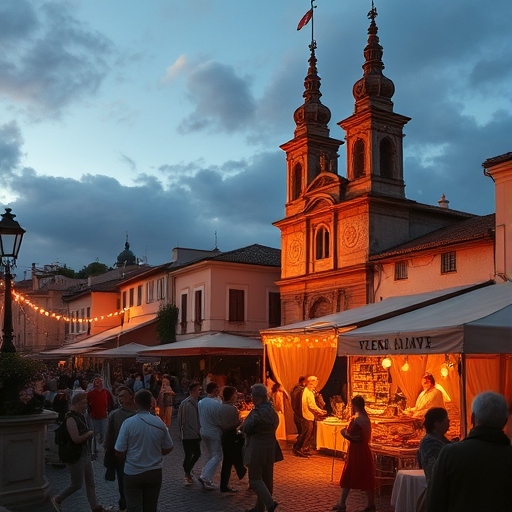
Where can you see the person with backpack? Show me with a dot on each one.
(76, 453)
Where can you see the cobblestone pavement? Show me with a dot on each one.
(300, 485)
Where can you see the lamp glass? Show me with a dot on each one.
(386, 362)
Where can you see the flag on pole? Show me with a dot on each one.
(305, 19)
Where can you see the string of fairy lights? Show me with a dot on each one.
(19, 298)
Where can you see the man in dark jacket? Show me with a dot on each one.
(296, 400)
(260, 448)
(476, 474)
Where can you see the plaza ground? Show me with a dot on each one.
(300, 485)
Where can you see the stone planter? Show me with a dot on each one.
(22, 459)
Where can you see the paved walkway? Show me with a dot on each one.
(300, 485)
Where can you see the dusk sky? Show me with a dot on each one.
(163, 118)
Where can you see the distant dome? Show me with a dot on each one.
(126, 257)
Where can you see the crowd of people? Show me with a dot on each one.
(131, 424)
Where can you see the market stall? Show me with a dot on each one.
(311, 347)
(466, 344)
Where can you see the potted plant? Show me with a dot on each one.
(20, 385)
(23, 430)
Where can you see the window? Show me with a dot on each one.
(296, 182)
(183, 313)
(236, 305)
(274, 309)
(160, 289)
(150, 291)
(198, 306)
(386, 158)
(132, 297)
(448, 262)
(88, 323)
(322, 243)
(358, 159)
(400, 270)
(124, 300)
(139, 295)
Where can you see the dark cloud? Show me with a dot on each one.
(222, 100)
(76, 221)
(52, 59)
(10, 148)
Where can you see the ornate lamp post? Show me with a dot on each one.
(11, 234)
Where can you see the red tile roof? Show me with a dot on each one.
(472, 229)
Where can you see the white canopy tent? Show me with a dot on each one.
(100, 340)
(474, 329)
(208, 344)
(477, 322)
(131, 350)
(310, 347)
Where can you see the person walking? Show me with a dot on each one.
(116, 418)
(359, 469)
(143, 440)
(211, 434)
(260, 448)
(100, 403)
(190, 427)
(81, 471)
(232, 442)
(476, 474)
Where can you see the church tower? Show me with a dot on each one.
(332, 224)
(374, 132)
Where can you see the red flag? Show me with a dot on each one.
(305, 19)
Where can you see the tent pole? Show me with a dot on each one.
(463, 405)
(264, 365)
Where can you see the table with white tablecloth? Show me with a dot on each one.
(409, 484)
(328, 435)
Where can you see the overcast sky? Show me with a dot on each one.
(163, 118)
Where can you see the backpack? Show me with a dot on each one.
(69, 452)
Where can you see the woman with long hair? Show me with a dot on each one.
(359, 470)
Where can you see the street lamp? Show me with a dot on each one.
(11, 234)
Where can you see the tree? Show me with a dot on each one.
(93, 269)
(167, 319)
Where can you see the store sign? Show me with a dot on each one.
(398, 344)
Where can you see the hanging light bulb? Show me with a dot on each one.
(405, 367)
(444, 371)
(386, 362)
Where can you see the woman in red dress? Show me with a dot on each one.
(359, 470)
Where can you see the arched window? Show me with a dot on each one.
(322, 249)
(387, 153)
(358, 159)
(296, 182)
(320, 308)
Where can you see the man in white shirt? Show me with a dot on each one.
(211, 433)
(142, 441)
(310, 411)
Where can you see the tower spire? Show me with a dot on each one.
(373, 87)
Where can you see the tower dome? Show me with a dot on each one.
(126, 257)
